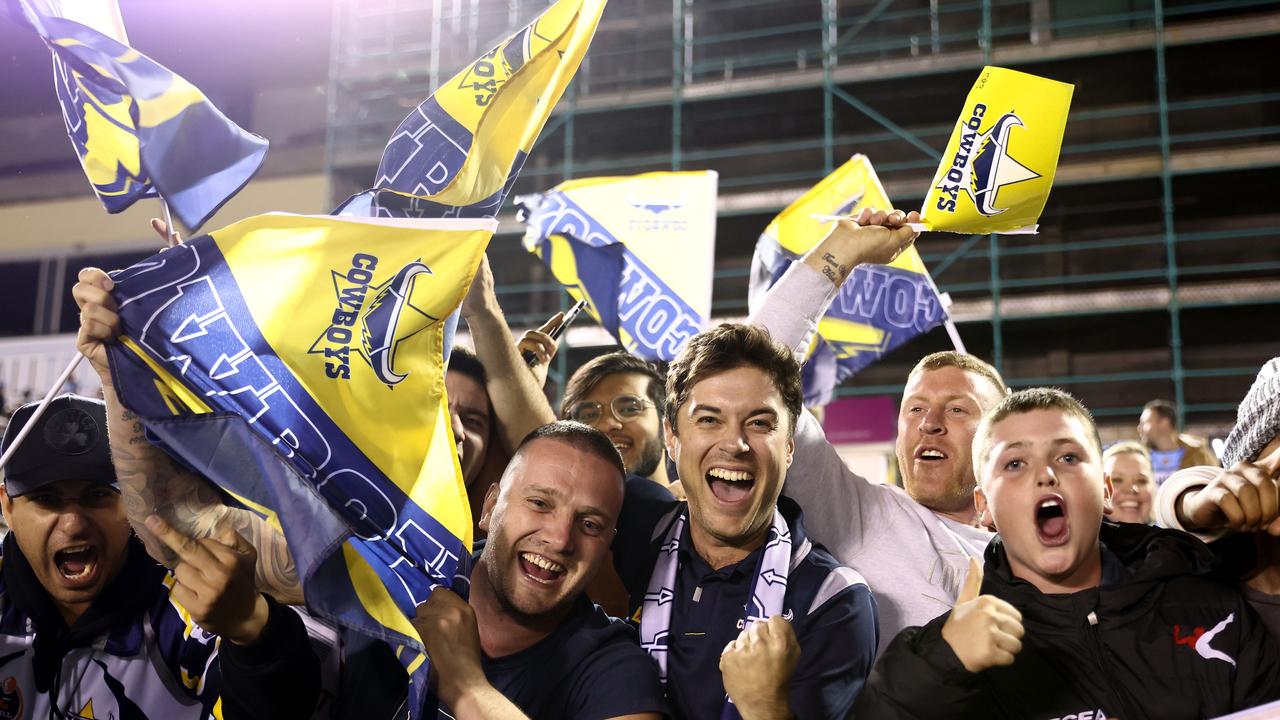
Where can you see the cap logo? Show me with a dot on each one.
(71, 431)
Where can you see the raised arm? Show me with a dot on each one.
(150, 481)
(513, 387)
(841, 508)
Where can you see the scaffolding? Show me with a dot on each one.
(1174, 121)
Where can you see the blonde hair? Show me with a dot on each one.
(1127, 447)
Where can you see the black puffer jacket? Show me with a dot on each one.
(1160, 639)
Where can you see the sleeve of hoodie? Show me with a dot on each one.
(1257, 678)
(842, 510)
(276, 677)
(918, 676)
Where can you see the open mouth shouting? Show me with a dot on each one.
(730, 486)
(540, 569)
(77, 565)
(1051, 521)
(930, 454)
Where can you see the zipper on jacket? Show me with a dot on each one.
(1099, 652)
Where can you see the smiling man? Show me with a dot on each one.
(735, 557)
(1076, 617)
(528, 642)
(92, 626)
(621, 396)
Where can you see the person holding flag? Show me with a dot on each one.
(911, 542)
(92, 627)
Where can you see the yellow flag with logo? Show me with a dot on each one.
(998, 168)
(298, 363)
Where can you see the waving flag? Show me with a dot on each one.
(139, 129)
(998, 168)
(297, 362)
(639, 249)
(878, 308)
(459, 152)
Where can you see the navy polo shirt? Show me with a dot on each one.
(830, 608)
(590, 668)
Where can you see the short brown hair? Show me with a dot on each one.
(963, 361)
(587, 377)
(727, 347)
(576, 435)
(1021, 403)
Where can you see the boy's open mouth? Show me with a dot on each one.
(1051, 521)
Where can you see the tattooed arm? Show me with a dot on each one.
(150, 481)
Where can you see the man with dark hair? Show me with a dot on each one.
(622, 396)
(471, 414)
(1170, 450)
(91, 626)
(911, 543)
(527, 642)
(1077, 617)
(733, 597)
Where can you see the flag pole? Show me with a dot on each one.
(44, 404)
(168, 224)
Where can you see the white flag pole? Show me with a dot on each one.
(44, 404)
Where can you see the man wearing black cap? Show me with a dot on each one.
(90, 626)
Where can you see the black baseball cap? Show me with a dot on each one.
(69, 442)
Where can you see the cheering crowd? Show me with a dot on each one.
(682, 543)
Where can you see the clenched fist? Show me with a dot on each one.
(757, 669)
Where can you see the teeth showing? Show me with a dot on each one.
(730, 475)
(932, 454)
(1050, 503)
(1131, 505)
(542, 562)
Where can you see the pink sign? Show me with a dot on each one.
(867, 419)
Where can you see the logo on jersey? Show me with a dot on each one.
(1199, 639)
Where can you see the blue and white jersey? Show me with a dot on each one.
(135, 654)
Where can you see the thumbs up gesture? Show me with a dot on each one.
(983, 630)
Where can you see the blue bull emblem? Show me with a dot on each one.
(993, 167)
(390, 320)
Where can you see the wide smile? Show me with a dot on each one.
(622, 442)
(731, 486)
(77, 565)
(541, 569)
(1052, 528)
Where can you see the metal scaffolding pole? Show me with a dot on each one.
(1170, 236)
(829, 27)
(677, 81)
(993, 241)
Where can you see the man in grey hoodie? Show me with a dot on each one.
(913, 544)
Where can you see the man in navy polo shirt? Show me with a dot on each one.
(728, 581)
(527, 642)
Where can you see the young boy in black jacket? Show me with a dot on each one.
(1076, 618)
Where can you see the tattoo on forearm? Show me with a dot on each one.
(836, 272)
(152, 483)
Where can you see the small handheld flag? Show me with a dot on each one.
(139, 129)
(999, 165)
(640, 250)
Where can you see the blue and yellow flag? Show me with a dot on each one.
(878, 308)
(459, 152)
(999, 165)
(296, 362)
(640, 250)
(139, 129)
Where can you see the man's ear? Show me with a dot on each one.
(985, 518)
(6, 504)
(671, 441)
(490, 500)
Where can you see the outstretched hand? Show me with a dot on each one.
(871, 236)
